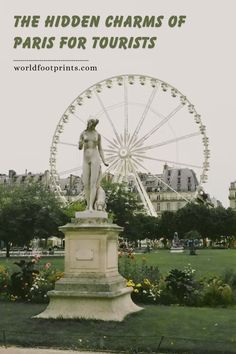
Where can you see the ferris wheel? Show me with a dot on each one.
(144, 123)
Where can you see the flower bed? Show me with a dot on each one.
(179, 287)
(30, 283)
(33, 279)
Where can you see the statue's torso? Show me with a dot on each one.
(90, 145)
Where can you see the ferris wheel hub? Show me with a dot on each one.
(124, 152)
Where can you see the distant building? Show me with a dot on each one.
(232, 195)
(70, 185)
(171, 190)
(27, 177)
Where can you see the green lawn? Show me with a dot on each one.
(181, 329)
(205, 262)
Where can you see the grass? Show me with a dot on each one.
(206, 262)
(178, 329)
(181, 329)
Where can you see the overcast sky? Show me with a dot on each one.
(197, 58)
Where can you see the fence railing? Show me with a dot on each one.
(33, 253)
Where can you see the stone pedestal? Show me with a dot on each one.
(91, 287)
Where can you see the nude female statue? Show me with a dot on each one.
(90, 140)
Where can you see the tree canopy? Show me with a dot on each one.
(27, 211)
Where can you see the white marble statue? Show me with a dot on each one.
(90, 141)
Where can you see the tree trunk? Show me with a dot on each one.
(8, 247)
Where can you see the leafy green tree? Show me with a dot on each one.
(167, 225)
(27, 211)
(127, 211)
(194, 217)
(223, 224)
(121, 203)
(73, 207)
(141, 226)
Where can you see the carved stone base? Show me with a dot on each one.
(91, 288)
(106, 306)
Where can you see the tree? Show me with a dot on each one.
(121, 203)
(167, 225)
(27, 211)
(141, 226)
(223, 224)
(127, 211)
(194, 217)
(73, 207)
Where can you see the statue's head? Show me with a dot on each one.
(92, 123)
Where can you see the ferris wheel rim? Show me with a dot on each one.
(62, 121)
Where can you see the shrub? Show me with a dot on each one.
(181, 288)
(43, 282)
(145, 291)
(30, 283)
(4, 282)
(22, 280)
(229, 277)
(216, 293)
(130, 269)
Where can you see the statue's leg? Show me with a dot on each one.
(86, 182)
(95, 171)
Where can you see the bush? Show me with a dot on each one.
(217, 293)
(4, 282)
(144, 292)
(229, 277)
(22, 280)
(30, 283)
(143, 278)
(44, 281)
(130, 269)
(178, 287)
(181, 287)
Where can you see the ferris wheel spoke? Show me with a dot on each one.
(167, 142)
(144, 115)
(118, 177)
(108, 118)
(111, 157)
(69, 144)
(108, 108)
(78, 168)
(164, 183)
(142, 192)
(158, 126)
(126, 113)
(80, 119)
(112, 165)
(166, 161)
(109, 141)
(110, 150)
(173, 190)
